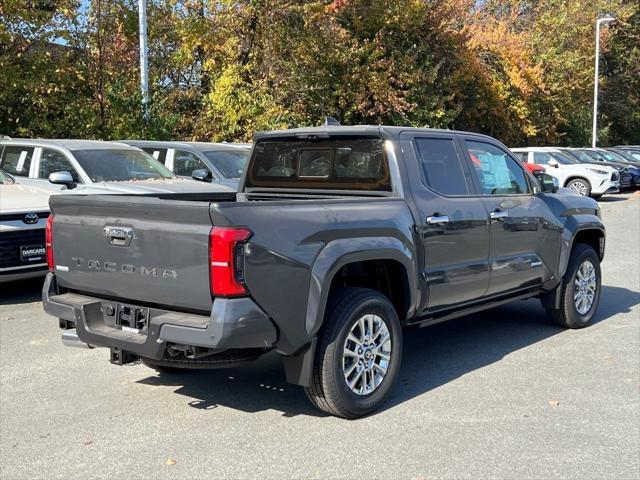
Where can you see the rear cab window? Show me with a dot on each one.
(332, 164)
(16, 160)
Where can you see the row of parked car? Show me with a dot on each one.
(32, 170)
(587, 171)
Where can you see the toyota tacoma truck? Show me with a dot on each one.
(338, 238)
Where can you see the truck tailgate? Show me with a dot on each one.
(146, 249)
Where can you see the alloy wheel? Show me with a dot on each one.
(366, 354)
(585, 286)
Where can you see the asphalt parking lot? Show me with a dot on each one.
(502, 394)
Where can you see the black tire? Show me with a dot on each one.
(567, 315)
(573, 185)
(329, 390)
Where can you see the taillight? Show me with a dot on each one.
(48, 242)
(226, 272)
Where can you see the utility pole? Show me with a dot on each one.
(594, 139)
(144, 63)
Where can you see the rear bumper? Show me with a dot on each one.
(233, 324)
(22, 273)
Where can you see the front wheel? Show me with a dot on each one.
(358, 354)
(580, 289)
(580, 186)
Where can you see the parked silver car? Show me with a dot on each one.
(220, 161)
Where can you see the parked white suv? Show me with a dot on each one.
(23, 216)
(87, 161)
(584, 179)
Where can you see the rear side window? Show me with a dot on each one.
(159, 154)
(441, 166)
(328, 165)
(16, 160)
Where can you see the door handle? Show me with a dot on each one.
(498, 215)
(437, 219)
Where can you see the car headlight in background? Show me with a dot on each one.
(598, 171)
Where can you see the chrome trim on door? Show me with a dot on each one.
(438, 219)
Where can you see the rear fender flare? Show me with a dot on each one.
(344, 251)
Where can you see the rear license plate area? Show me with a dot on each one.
(129, 318)
(32, 253)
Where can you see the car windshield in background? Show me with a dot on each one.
(564, 158)
(104, 165)
(612, 156)
(582, 156)
(5, 178)
(595, 155)
(324, 165)
(628, 157)
(230, 163)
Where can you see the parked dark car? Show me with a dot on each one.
(338, 238)
(603, 157)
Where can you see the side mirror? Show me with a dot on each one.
(62, 178)
(553, 163)
(548, 184)
(202, 175)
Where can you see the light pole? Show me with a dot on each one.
(144, 65)
(594, 139)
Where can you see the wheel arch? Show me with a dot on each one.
(577, 177)
(344, 260)
(589, 231)
(331, 260)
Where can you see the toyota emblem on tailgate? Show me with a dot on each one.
(31, 218)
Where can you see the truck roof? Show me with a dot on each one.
(383, 131)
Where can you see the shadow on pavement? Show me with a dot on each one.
(23, 291)
(613, 199)
(433, 356)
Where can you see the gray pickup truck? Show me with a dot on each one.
(338, 238)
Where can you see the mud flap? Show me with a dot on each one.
(298, 368)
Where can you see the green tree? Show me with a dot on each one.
(620, 96)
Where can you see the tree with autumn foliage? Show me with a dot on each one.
(520, 70)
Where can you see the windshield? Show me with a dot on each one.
(120, 165)
(627, 155)
(595, 155)
(612, 156)
(230, 163)
(5, 178)
(564, 158)
(633, 153)
(582, 156)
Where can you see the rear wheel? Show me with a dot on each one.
(580, 186)
(358, 354)
(580, 289)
